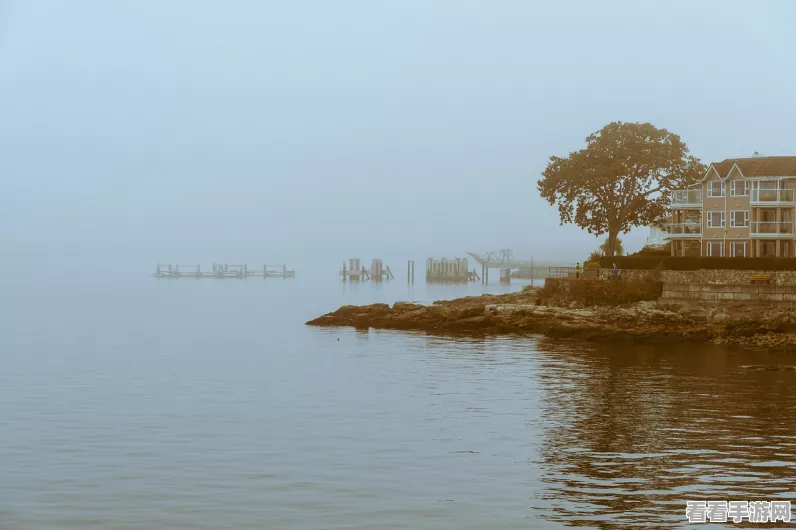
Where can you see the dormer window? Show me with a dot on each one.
(716, 189)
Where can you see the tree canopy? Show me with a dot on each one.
(620, 179)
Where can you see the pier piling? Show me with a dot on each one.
(219, 271)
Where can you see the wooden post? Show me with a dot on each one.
(344, 276)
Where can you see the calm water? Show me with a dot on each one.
(128, 402)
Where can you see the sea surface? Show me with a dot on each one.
(129, 402)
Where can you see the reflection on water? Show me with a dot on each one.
(210, 405)
(631, 433)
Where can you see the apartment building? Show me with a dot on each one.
(742, 207)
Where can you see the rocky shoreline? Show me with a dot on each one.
(519, 313)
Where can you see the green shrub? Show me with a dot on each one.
(663, 252)
(683, 263)
(606, 292)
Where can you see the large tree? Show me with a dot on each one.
(620, 179)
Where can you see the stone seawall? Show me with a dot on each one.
(715, 276)
(696, 286)
(708, 292)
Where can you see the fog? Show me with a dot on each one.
(409, 129)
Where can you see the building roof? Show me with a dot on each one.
(759, 166)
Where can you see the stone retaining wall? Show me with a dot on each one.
(710, 276)
(708, 292)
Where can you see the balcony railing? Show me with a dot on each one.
(684, 229)
(772, 228)
(685, 198)
(771, 196)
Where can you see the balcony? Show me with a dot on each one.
(773, 230)
(771, 197)
(682, 199)
(688, 230)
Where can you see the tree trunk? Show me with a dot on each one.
(612, 236)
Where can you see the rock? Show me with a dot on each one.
(643, 322)
(647, 305)
(405, 306)
(693, 312)
(656, 315)
(720, 317)
(361, 321)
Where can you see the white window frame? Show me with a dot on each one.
(710, 188)
(732, 249)
(734, 191)
(710, 219)
(745, 224)
(710, 246)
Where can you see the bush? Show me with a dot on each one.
(595, 256)
(663, 252)
(595, 292)
(681, 263)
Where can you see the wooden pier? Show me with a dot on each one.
(449, 271)
(220, 271)
(356, 273)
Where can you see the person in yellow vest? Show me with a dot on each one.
(577, 270)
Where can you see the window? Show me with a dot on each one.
(739, 218)
(738, 249)
(715, 219)
(739, 188)
(715, 249)
(715, 189)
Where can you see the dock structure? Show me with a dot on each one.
(220, 270)
(355, 272)
(448, 271)
(505, 261)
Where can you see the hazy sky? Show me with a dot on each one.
(406, 128)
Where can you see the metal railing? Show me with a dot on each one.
(771, 196)
(600, 273)
(685, 197)
(684, 229)
(772, 228)
(561, 272)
